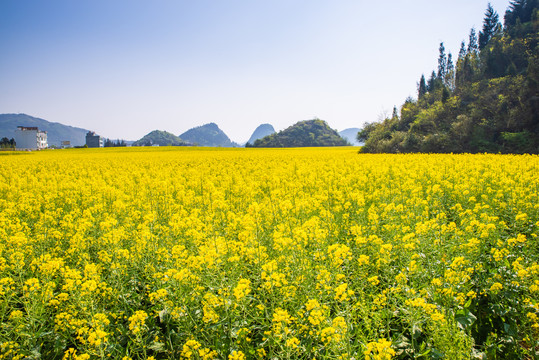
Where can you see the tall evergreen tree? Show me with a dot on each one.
(445, 95)
(464, 72)
(462, 51)
(491, 25)
(450, 72)
(431, 84)
(450, 66)
(395, 113)
(472, 42)
(520, 12)
(467, 69)
(531, 9)
(442, 62)
(514, 12)
(421, 87)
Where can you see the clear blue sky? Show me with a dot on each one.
(125, 67)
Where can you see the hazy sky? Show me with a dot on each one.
(125, 67)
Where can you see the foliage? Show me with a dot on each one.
(161, 138)
(112, 143)
(207, 135)
(183, 253)
(491, 26)
(488, 102)
(6, 143)
(303, 134)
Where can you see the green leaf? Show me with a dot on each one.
(465, 318)
(435, 354)
(416, 331)
(425, 353)
(157, 346)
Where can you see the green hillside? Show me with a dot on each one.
(207, 135)
(304, 133)
(161, 138)
(488, 101)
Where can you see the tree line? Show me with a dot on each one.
(112, 143)
(485, 101)
(6, 143)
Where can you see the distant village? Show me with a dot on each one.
(31, 138)
(314, 132)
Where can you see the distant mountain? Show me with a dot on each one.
(260, 132)
(161, 138)
(56, 132)
(351, 135)
(207, 135)
(304, 133)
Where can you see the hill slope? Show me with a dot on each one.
(260, 132)
(351, 136)
(161, 138)
(487, 102)
(207, 135)
(56, 132)
(304, 133)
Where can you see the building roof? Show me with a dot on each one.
(30, 128)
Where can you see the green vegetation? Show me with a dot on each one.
(6, 143)
(260, 132)
(161, 138)
(487, 102)
(207, 135)
(117, 143)
(304, 133)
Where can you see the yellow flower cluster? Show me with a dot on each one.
(336, 332)
(266, 253)
(137, 322)
(379, 350)
(242, 289)
(192, 349)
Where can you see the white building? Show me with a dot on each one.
(30, 138)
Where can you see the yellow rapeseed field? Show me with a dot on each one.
(189, 253)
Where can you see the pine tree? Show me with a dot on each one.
(531, 10)
(514, 12)
(445, 95)
(421, 87)
(450, 66)
(491, 26)
(462, 51)
(431, 84)
(467, 73)
(472, 42)
(450, 73)
(461, 74)
(395, 113)
(442, 62)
